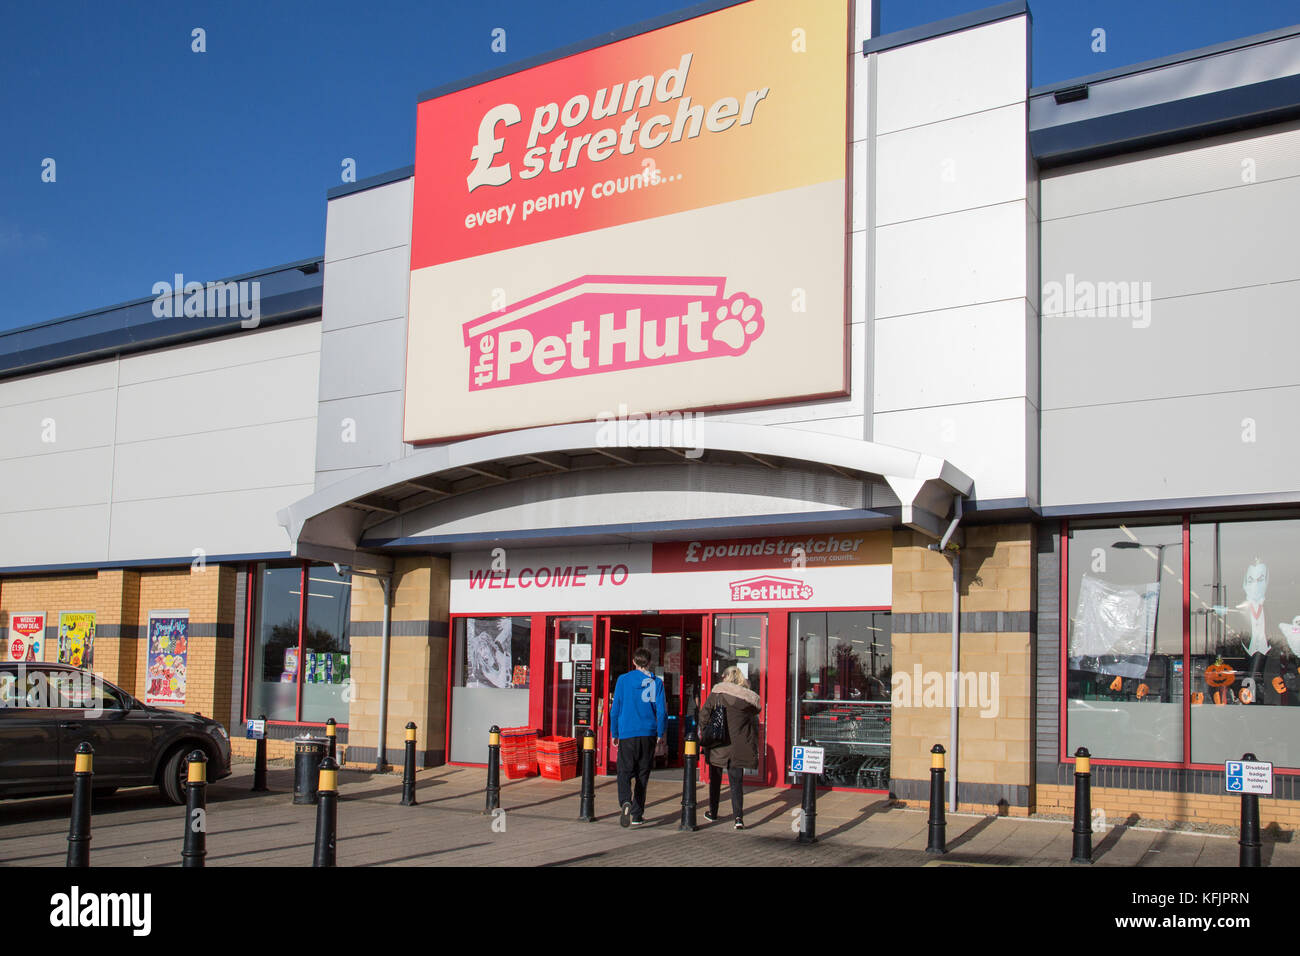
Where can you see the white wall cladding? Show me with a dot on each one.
(1192, 393)
(953, 256)
(363, 331)
(159, 453)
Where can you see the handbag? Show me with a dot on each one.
(714, 733)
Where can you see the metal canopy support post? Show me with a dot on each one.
(951, 544)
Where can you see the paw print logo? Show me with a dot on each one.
(805, 592)
(738, 321)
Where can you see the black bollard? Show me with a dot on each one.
(327, 814)
(494, 769)
(808, 815)
(689, 764)
(1249, 842)
(79, 828)
(259, 762)
(332, 739)
(938, 822)
(195, 847)
(587, 796)
(1082, 806)
(408, 770)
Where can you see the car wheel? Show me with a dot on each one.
(175, 771)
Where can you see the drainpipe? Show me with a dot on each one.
(386, 582)
(955, 553)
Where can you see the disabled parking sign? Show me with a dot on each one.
(807, 759)
(1248, 776)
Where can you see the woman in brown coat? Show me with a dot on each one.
(742, 707)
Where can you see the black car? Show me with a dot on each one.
(47, 710)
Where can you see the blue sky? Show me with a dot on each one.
(213, 164)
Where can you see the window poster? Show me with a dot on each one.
(290, 672)
(168, 653)
(77, 638)
(488, 643)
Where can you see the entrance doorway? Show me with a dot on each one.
(675, 643)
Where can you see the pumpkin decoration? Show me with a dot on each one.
(1117, 684)
(1220, 674)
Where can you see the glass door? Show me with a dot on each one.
(740, 640)
(570, 678)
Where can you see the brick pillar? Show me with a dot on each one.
(417, 661)
(995, 731)
(117, 638)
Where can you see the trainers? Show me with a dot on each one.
(710, 816)
(625, 818)
(740, 824)
(638, 823)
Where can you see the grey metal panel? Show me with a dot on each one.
(377, 425)
(363, 360)
(367, 288)
(251, 395)
(1220, 342)
(326, 478)
(234, 459)
(36, 387)
(64, 480)
(1047, 674)
(1176, 448)
(651, 493)
(368, 221)
(54, 535)
(74, 422)
(228, 523)
(1163, 84)
(249, 347)
(1236, 161)
(1181, 246)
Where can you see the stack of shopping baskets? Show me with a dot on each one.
(558, 757)
(519, 752)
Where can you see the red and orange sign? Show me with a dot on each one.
(565, 214)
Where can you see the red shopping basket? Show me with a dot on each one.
(519, 752)
(557, 768)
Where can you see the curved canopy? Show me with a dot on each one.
(331, 523)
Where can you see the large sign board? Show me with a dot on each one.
(657, 224)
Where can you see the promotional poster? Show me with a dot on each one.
(27, 636)
(167, 656)
(77, 638)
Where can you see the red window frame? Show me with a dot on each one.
(253, 594)
(1063, 546)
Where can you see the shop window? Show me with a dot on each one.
(1124, 643)
(297, 673)
(490, 677)
(1245, 641)
(327, 649)
(840, 674)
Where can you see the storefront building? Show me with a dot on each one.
(848, 360)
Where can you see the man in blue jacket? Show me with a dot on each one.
(637, 722)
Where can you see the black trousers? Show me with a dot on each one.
(735, 783)
(636, 755)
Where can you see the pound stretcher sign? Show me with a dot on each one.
(807, 759)
(1248, 776)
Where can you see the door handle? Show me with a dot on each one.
(69, 724)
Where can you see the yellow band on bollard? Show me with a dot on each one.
(936, 761)
(1082, 764)
(329, 780)
(692, 748)
(198, 771)
(410, 733)
(494, 740)
(588, 743)
(331, 730)
(84, 763)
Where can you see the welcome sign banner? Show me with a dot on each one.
(658, 223)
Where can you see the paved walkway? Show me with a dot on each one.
(133, 828)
